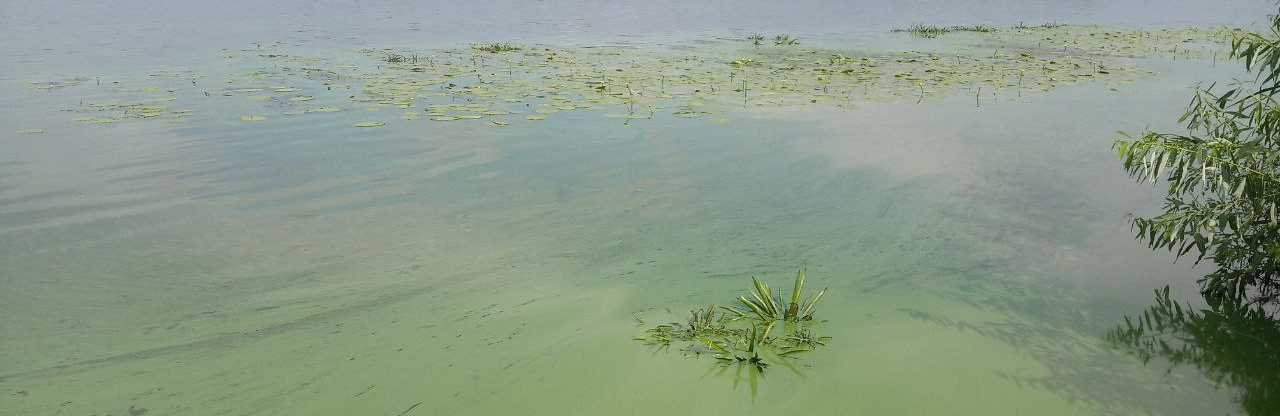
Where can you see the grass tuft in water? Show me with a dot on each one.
(785, 40)
(766, 306)
(495, 47)
(1046, 25)
(394, 58)
(932, 31)
(731, 339)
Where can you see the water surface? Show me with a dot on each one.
(975, 254)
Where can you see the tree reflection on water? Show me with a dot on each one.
(1234, 344)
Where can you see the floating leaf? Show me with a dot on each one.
(31, 131)
(369, 124)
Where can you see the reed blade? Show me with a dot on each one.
(808, 309)
(795, 292)
(766, 298)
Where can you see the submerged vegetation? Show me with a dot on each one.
(748, 336)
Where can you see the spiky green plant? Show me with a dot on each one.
(748, 344)
(785, 40)
(794, 308)
(766, 306)
(704, 320)
(495, 47)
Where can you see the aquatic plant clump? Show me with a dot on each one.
(495, 47)
(931, 31)
(767, 306)
(1046, 25)
(752, 341)
(785, 40)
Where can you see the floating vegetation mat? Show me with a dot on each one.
(764, 329)
(503, 84)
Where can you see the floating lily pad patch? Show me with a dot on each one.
(698, 79)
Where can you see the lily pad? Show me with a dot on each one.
(31, 131)
(368, 124)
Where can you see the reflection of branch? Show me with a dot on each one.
(1238, 343)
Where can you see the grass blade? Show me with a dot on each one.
(808, 309)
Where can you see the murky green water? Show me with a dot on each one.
(183, 259)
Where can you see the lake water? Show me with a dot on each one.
(183, 258)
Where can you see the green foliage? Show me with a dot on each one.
(785, 40)
(756, 39)
(931, 31)
(495, 47)
(733, 340)
(805, 338)
(1231, 342)
(1046, 25)
(766, 306)
(1223, 178)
